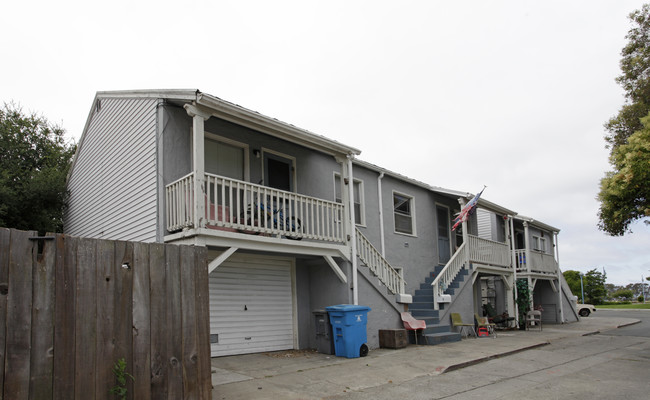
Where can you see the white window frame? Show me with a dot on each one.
(451, 235)
(244, 146)
(539, 243)
(361, 200)
(293, 166)
(412, 208)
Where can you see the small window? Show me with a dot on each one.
(539, 243)
(359, 214)
(404, 214)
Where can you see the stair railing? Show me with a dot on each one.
(378, 265)
(448, 274)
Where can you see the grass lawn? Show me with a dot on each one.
(633, 306)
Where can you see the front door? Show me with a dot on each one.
(278, 172)
(444, 245)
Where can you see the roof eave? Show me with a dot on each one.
(251, 119)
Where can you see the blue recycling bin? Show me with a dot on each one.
(349, 329)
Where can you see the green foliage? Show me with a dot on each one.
(623, 293)
(523, 299)
(641, 299)
(635, 62)
(119, 370)
(625, 192)
(594, 287)
(33, 170)
(573, 280)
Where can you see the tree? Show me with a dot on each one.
(623, 194)
(33, 169)
(623, 293)
(634, 79)
(572, 278)
(594, 286)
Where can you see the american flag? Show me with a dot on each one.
(467, 211)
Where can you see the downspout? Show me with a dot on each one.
(381, 215)
(559, 277)
(353, 231)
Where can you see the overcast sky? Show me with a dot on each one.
(458, 94)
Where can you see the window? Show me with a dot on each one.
(539, 243)
(404, 214)
(359, 209)
(225, 157)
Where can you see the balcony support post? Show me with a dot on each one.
(528, 261)
(199, 115)
(513, 260)
(559, 276)
(353, 238)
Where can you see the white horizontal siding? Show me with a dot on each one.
(113, 181)
(251, 306)
(484, 223)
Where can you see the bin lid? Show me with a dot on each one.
(347, 307)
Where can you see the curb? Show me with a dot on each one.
(492, 357)
(638, 321)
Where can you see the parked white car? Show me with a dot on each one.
(585, 309)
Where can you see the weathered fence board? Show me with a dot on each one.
(19, 321)
(4, 274)
(42, 351)
(64, 315)
(141, 321)
(71, 307)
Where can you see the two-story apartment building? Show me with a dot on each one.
(293, 221)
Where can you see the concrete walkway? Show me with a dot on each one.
(311, 375)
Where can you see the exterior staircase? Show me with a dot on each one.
(437, 331)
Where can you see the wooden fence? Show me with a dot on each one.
(71, 307)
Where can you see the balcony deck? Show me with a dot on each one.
(539, 263)
(242, 214)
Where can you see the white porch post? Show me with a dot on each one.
(559, 276)
(528, 259)
(199, 116)
(381, 216)
(514, 263)
(462, 203)
(510, 296)
(353, 230)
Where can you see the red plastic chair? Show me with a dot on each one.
(412, 324)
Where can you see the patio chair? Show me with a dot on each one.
(412, 324)
(482, 322)
(457, 322)
(502, 320)
(534, 319)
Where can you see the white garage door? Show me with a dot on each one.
(251, 306)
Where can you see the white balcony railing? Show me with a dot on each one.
(370, 256)
(539, 262)
(449, 273)
(489, 252)
(239, 206)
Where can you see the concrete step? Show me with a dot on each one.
(421, 306)
(437, 329)
(433, 339)
(423, 298)
(424, 313)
